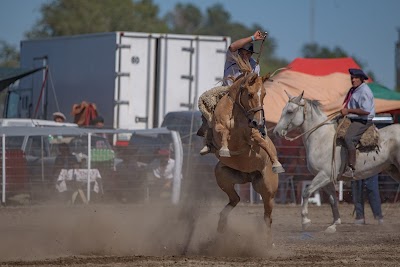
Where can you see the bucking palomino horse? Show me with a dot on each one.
(326, 160)
(236, 120)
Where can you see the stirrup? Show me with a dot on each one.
(349, 172)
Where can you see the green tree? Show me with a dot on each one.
(313, 50)
(69, 17)
(188, 19)
(184, 19)
(9, 56)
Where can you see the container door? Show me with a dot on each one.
(190, 65)
(135, 81)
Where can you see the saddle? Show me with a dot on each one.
(369, 140)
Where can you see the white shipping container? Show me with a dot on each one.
(133, 78)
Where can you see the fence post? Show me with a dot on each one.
(3, 199)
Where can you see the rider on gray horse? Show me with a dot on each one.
(359, 107)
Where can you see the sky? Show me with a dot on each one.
(365, 29)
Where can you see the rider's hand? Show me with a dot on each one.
(344, 111)
(258, 35)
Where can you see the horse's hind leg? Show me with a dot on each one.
(394, 172)
(267, 188)
(224, 176)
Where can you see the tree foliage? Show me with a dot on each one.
(184, 19)
(314, 50)
(9, 56)
(70, 17)
(188, 19)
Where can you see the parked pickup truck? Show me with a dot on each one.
(37, 154)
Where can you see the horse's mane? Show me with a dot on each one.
(314, 104)
(244, 65)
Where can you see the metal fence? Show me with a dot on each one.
(33, 169)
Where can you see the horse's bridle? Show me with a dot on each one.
(251, 111)
(310, 131)
(294, 114)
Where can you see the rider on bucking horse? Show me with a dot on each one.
(208, 100)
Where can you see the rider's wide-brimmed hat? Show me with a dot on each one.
(358, 73)
(249, 47)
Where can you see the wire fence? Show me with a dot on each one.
(56, 168)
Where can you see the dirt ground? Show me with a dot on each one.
(157, 235)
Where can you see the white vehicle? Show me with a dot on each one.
(133, 78)
(33, 123)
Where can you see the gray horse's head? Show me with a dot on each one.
(292, 115)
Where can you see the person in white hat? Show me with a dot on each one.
(59, 117)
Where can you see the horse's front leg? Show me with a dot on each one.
(224, 132)
(331, 191)
(319, 181)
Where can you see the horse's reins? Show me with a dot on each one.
(261, 48)
(246, 113)
(330, 116)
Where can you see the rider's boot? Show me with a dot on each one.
(203, 128)
(208, 148)
(203, 132)
(350, 169)
(205, 150)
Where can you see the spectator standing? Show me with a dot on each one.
(371, 186)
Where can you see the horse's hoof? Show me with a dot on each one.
(305, 224)
(337, 222)
(278, 169)
(331, 229)
(221, 225)
(221, 228)
(224, 153)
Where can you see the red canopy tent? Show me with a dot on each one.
(326, 80)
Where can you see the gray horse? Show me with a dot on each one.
(318, 138)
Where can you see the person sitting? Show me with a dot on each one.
(59, 117)
(97, 122)
(64, 160)
(161, 173)
(359, 107)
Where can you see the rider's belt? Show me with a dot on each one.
(363, 121)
